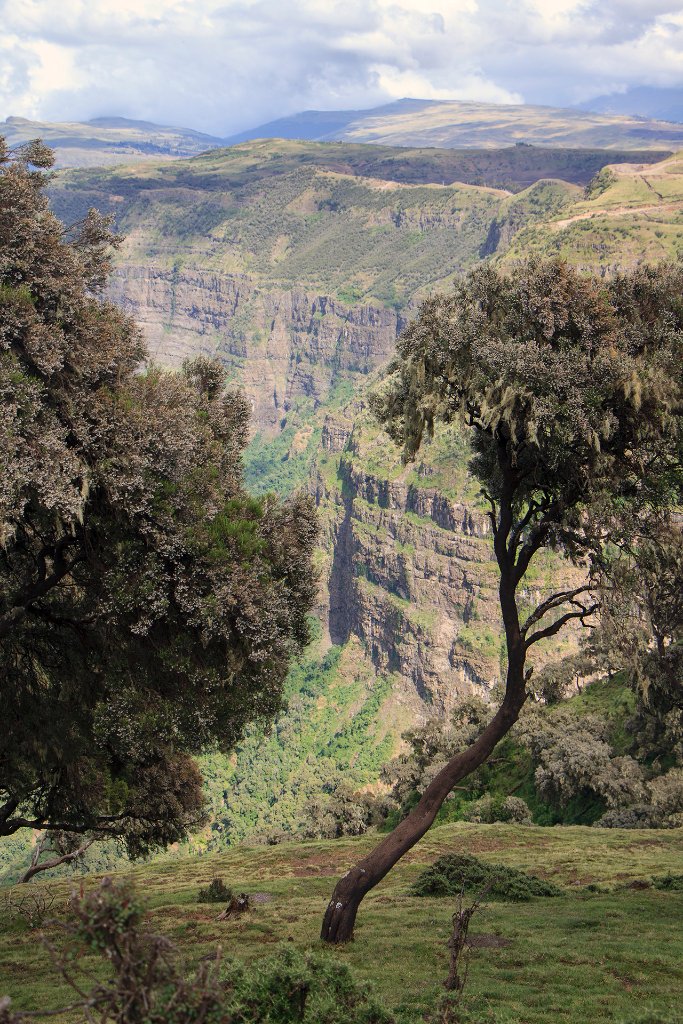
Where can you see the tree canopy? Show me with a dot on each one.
(572, 385)
(149, 606)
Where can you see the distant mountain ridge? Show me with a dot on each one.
(409, 122)
(643, 101)
(454, 124)
(323, 125)
(107, 141)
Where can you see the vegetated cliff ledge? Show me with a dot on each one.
(408, 566)
(281, 345)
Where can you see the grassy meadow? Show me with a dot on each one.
(607, 951)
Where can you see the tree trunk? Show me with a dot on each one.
(340, 916)
(349, 891)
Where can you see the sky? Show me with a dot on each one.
(222, 66)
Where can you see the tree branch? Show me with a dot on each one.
(532, 511)
(22, 605)
(536, 540)
(8, 808)
(103, 825)
(492, 513)
(47, 865)
(582, 613)
(554, 601)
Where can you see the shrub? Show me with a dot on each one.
(291, 986)
(452, 873)
(488, 809)
(669, 883)
(516, 810)
(637, 816)
(573, 757)
(216, 892)
(663, 807)
(666, 796)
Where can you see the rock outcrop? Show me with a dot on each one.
(409, 572)
(281, 345)
(409, 567)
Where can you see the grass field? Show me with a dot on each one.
(610, 953)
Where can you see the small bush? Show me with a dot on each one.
(669, 883)
(216, 892)
(488, 810)
(516, 810)
(292, 986)
(449, 874)
(638, 816)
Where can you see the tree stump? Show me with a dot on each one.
(237, 905)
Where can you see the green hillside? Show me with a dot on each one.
(608, 950)
(367, 223)
(630, 214)
(288, 215)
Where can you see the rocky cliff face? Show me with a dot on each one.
(408, 570)
(294, 276)
(406, 556)
(282, 345)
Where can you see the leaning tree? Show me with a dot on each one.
(570, 389)
(148, 605)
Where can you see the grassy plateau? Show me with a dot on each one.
(608, 950)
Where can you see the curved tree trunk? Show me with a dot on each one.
(349, 891)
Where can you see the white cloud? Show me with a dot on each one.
(224, 65)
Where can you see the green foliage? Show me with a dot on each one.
(603, 180)
(488, 809)
(272, 464)
(149, 607)
(605, 381)
(452, 873)
(216, 892)
(292, 987)
(641, 632)
(325, 746)
(107, 916)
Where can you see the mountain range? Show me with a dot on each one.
(643, 101)
(455, 124)
(106, 141)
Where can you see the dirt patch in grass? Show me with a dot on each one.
(315, 866)
(487, 941)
